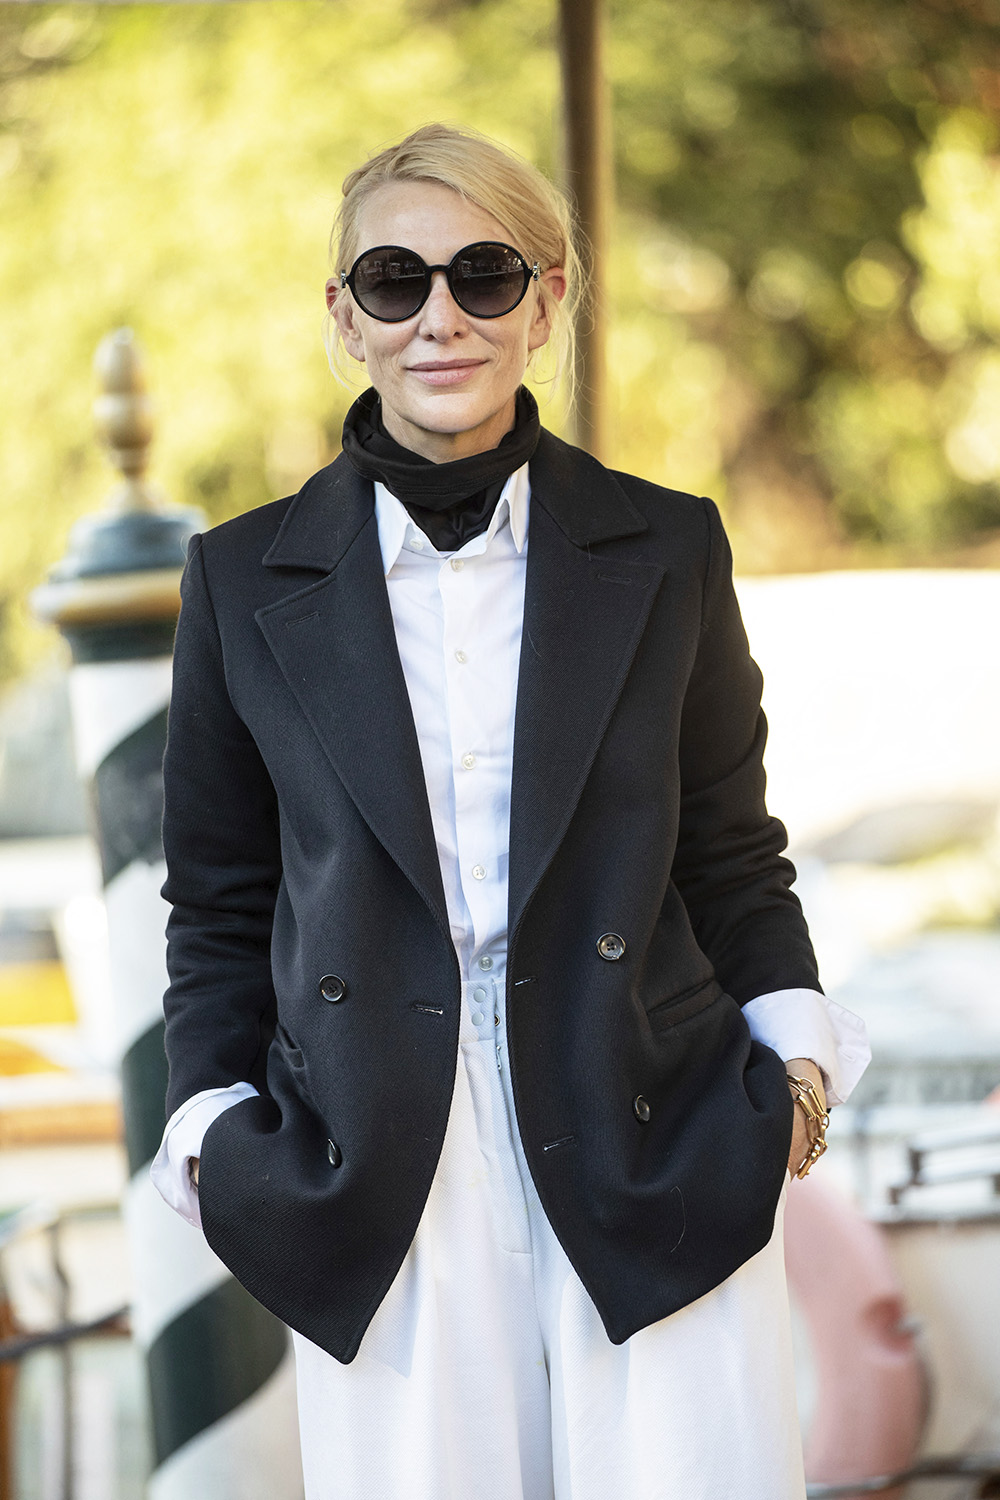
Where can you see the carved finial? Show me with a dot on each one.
(123, 413)
(122, 569)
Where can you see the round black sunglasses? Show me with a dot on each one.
(487, 280)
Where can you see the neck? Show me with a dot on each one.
(446, 447)
(448, 482)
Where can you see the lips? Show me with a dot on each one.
(446, 372)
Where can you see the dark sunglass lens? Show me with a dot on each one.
(489, 280)
(389, 283)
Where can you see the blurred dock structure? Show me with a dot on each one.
(220, 1422)
(882, 691)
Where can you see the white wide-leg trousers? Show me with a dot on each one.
(487, 1375)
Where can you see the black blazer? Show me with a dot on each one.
(300, 850)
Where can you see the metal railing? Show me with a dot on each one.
(50, 1221)
(946, 1466)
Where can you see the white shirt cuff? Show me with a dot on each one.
(182, 1140)
(804, 1023)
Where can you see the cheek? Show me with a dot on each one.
(517, 352)
(381, 350)
(375, 344)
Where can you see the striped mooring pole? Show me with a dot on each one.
(221, 1380)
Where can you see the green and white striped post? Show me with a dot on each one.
(221, 1378)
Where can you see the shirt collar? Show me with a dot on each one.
(394, 522)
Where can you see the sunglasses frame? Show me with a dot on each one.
(531, 273)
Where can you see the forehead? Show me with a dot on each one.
(427, 217)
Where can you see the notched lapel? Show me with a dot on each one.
(584, 615)
(336, 646)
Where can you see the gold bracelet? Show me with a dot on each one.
(817, 1120)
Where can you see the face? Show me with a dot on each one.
(448, 381)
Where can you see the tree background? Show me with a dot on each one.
(805, 266)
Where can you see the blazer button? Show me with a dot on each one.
(641, 1109)
(333, 1153)
(611, 946)
(332, 988)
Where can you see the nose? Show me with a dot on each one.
(441, 317)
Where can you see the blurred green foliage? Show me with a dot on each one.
(805, 277)
(813, 203)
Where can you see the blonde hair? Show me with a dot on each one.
(533, 212)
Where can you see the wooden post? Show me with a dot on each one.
(220, 1366)
(586, 114)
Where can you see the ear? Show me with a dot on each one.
(342, 308)
(541, 326)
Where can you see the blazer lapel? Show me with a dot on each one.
(584, 614)
(336, 645)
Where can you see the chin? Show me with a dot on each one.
(454, 413)
(446, 423)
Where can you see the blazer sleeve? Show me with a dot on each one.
(222, 847)
(729, 867)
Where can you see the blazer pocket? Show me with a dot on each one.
(293, 1054)
(682, 1006)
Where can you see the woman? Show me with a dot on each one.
(485, 971)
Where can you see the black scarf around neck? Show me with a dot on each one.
(449, 502)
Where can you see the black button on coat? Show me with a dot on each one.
(611, 946)
(636, 802)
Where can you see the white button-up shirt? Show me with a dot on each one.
(458, 619)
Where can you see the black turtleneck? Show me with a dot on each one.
(449, 502)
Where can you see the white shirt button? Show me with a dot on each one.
(486, 962)
(479, 994)
(461, 657)
(468, 760)
(477, 1018)
(479, 872)
(457, 564)
(417, 543)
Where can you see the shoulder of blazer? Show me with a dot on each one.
(311, 529)
(243, 540)
(589, 502)
(592, 503)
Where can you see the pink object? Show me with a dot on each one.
(872, 1392)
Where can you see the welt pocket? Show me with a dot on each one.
(292, 1053)
(683, 1005)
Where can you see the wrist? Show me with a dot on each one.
(808, 1098)
(805, 1067)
